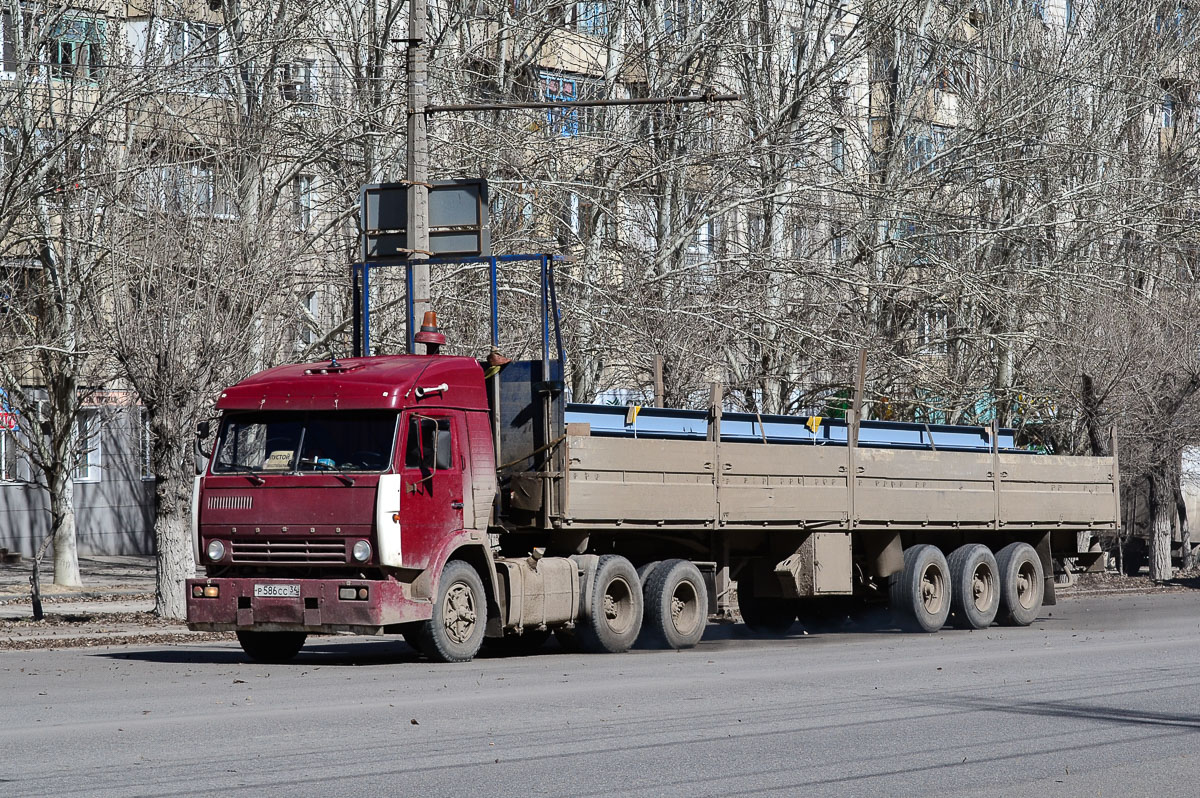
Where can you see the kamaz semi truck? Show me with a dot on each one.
(456, 501)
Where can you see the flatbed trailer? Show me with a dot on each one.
(452, 500)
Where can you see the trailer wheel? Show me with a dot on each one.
(974, 586)
(773, 616)
(455, 632)
(1021, 585)
(273, 647)
(921, 592)
(676, 605)
(614, 618)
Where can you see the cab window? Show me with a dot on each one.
(428, 444)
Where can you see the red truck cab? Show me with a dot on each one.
(334, 495)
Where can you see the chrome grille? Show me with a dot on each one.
(325, 552)
(220, 502)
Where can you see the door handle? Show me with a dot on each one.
(456, 505)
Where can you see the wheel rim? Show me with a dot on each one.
(685, 608)
(618, 606)
(1026, 585)
(458, 612)
(983, 587)
(932, 590)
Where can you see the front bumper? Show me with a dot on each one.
(317, 609)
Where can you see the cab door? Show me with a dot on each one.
(431, 482)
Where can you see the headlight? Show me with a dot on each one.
(362, 551)
(216, 550)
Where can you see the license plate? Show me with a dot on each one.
(277, 591)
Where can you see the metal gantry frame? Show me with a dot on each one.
(361, 278)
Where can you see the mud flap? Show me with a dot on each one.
(1043, 549)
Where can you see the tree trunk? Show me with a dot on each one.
(62, 529)
(1162, 512)
(172, 520)
(172, 534)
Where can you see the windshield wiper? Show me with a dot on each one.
(245, 472)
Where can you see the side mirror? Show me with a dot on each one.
(199, 456)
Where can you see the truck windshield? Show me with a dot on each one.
(305, 442)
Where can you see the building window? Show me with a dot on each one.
(87, 446)
(1168, 111)
(681, 15)
(303, 200)
(561, 121)
(837, 151)
(592, 17)
(192, 44)
(311, 307)
(837, 241)
(927, 150)
(184, 189)
(75, 48)
(299, 82)
(933, 332)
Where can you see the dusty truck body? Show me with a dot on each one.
(451, 500)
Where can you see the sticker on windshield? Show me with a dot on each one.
(279, 460)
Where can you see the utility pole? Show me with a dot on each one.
(418, 162)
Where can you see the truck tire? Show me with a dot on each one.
(676, 605)
(455, 632)
(273, 647)
(614, 613)
(920, 593)
(974, 586)
(764, 614)
(645, 570)
(1021, 585)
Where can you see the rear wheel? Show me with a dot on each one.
(762, 613)
(271, 646)
(455, 631)
(614, 617)
(1021, 585)
(974, 586)
(676, 605)
(921, 592)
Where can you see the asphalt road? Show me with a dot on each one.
(1099, 697)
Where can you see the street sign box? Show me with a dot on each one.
(458, 219)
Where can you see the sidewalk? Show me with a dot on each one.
(113, 607)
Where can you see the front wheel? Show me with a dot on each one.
(614, 617)
(272, 647)
(455, 632)
(920, 593)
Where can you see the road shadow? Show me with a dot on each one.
(329, 651)
(1071, 710)
(360, 651)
